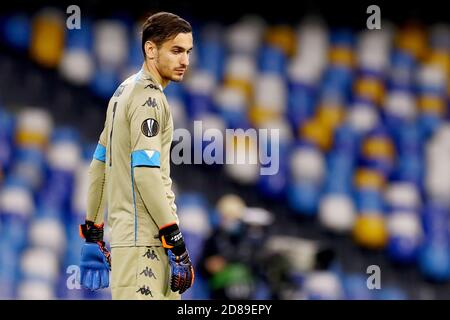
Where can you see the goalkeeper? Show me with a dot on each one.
(130, 172)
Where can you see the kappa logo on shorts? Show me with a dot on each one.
(150, 127)
(151, 255)
(145, 290)
(148, 272)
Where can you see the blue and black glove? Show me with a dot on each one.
(95, 261)
(181, 269)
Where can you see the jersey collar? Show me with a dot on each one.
(146, 75)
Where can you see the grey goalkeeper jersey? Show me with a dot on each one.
(130, 170)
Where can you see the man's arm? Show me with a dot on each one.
(147, 124)
(96, 193)
(95, 260)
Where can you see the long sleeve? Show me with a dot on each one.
(149, 185)
(149, 144)
(96, 199)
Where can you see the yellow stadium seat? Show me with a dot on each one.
(47, 40)
(413, 39)
(31, 139)
(370, 231)
(441, 59)
(330, 116)
(341, 56)
(317, 133)
(370, 88)
(378, 148)
(258, 115)
(432, 104)
(240, 84)
(371, 179)
(283, 37)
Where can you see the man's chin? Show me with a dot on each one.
(176, 78)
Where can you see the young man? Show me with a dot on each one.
(130, 171)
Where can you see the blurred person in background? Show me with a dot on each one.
(130, 172)
(224, 261)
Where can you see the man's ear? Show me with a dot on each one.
(150, 49)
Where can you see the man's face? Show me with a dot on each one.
(173, 57)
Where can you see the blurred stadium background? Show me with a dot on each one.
(364, 142)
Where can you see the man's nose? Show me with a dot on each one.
(184, 59)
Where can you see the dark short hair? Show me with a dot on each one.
(163, 26)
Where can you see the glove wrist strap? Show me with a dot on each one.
(172, 238)
(91, 232)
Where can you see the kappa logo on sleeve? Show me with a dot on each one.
(150, 127)
(151, 102)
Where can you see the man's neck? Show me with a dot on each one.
(151, 69)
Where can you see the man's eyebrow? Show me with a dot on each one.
(181, 48)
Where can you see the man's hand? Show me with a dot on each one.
(181, 272)
(95, 261)
(181, 269)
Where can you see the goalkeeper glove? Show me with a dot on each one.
(181, 269)
(95, 258)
